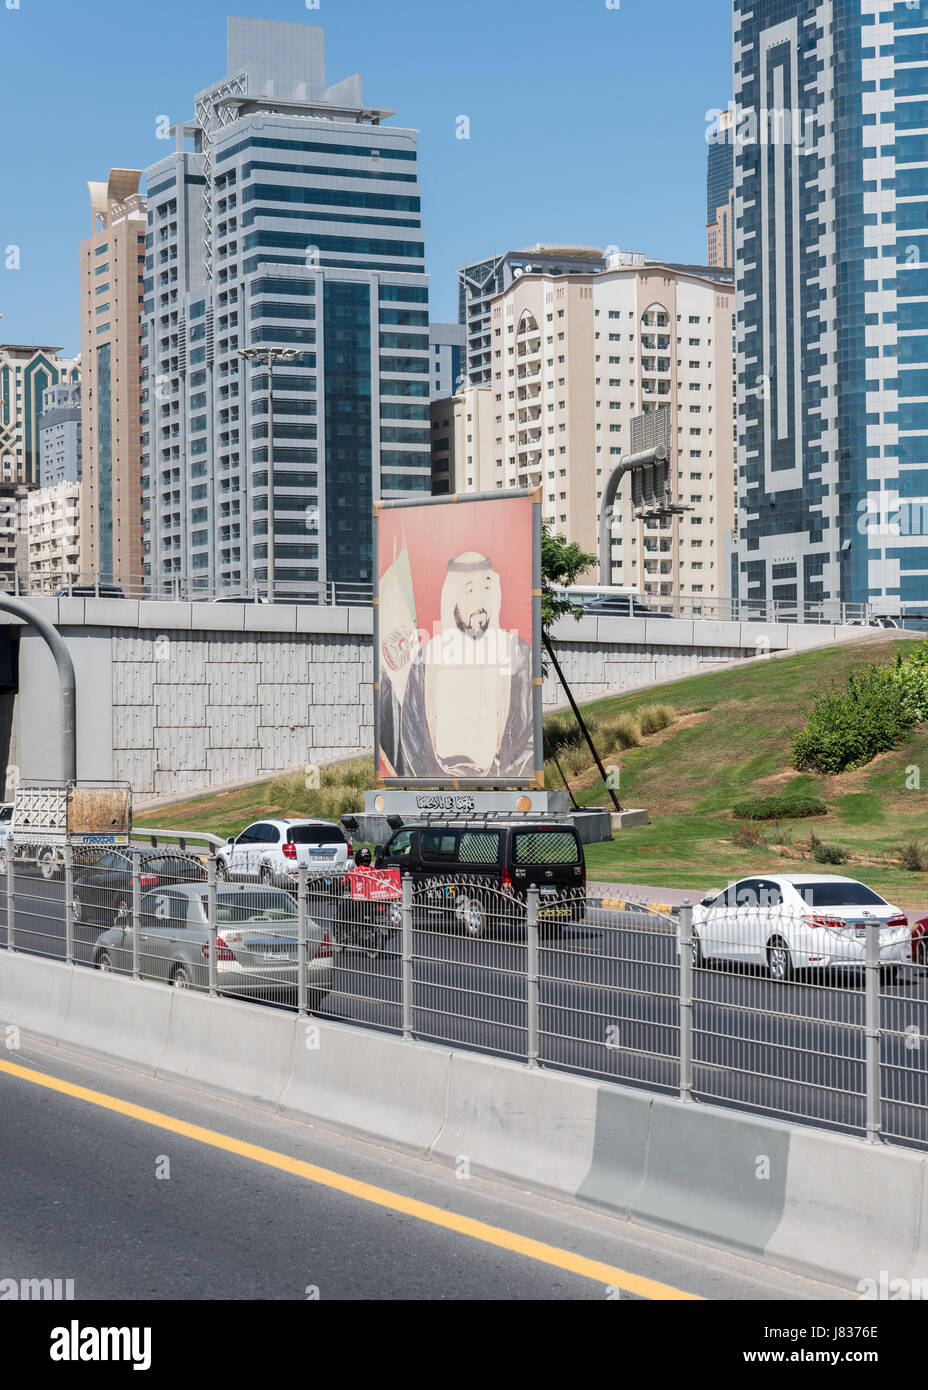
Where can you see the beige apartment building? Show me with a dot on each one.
(53, 530)
(575, 360)
(112, 285)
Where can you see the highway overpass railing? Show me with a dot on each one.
(717, 1009)
(594, 600)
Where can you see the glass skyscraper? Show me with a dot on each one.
(286, 215)
(831, 185)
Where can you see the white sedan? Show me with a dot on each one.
(790, 922)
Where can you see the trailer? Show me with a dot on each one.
(48, 816)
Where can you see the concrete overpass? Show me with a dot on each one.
(178, 697)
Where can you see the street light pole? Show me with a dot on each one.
(269, 357)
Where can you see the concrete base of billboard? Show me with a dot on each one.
(625, 820)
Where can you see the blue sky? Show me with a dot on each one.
(587, 124)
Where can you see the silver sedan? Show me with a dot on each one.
(256, 947)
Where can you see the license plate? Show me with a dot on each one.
(279, 958)
(548, 892)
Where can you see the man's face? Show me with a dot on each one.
(472, 611)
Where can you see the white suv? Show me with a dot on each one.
(271, 851)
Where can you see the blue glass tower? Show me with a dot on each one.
(287, 215)
(831, 187)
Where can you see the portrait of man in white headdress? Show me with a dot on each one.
(467, 707)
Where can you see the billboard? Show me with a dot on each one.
(457, 641)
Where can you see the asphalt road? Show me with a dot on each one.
(128, 1209)
(608, 1008)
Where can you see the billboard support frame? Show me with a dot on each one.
(536, 781)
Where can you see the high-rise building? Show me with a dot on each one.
(831, 187)
(112, 276)
(482, 281)
(26, 373)
(720, 192)
(575, 360)
(446, 358)
(463, 456)
(60, 435)
(288, 216)
(53, 536)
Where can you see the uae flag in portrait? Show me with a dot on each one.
(399, 643)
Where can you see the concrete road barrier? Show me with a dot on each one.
(823, 1205)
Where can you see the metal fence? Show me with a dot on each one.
(597, 601)
(732, 1015)
(187, 588)
(605, 602)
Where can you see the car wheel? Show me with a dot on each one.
(779, 960)
(2, 861)
(48, 864)
(222, 871)
(471, 915)
(396, 915)
(699, 959)
(180, 977)
(265, 876)
(103, 961)
(76, 910)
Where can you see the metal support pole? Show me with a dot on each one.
(68, 904)
(302, 927)
(66, 681)
(10, 893)
(686, 1002)
(136, 927)
(531, 974)
(580, 720)
(212, 923)
(406, 979)
(872, 1033)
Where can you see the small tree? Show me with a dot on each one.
(562, 563)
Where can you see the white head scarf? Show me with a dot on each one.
(468, 676)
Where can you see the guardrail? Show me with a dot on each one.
(595, 600)
(556, 982)
(141, 835)
(187, 589)
(610, 602)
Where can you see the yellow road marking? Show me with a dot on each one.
(366, 1192)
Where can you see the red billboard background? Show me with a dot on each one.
(500, 530)
(415, 544)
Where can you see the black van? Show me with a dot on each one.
(467, 860)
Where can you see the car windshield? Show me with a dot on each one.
(839, 894)
(315, 835)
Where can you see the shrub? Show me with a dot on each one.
(823, 853)
(559, 735)
(341, 791)
(780, 808)
(846, 729)
(909, 674)
(913, 857)
(623, 731)
(749, 837)
(653, 718)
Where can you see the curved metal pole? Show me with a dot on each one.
(67, 682)
(625, 465)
